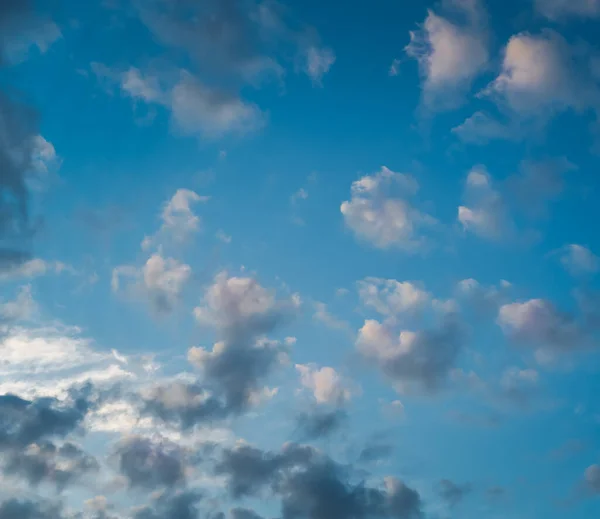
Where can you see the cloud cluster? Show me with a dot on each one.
(229, 44)
(380, 212)
(313, 485)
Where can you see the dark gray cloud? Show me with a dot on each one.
(320, 423)
(313, 486)
(239, 369)
(244, 513)
(235, 370)
(184, 404)
(177, 505)
(453, 493)
(150, 464)
(25, 509)
(375, 452)
(18, 132)
(47, 463)
(249, 470)
(24, 422)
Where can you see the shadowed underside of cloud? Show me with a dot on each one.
(314, 486)
(19, 143)
(320, 423)
(413, 361)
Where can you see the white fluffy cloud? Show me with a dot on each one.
(162, 280)
(542, 72)
(485, 213)
(241, 304)
(579, 260)
(326, 384)
(58, 357)
(375, 214)
(178, 217)
(450, 55)
(390, 297)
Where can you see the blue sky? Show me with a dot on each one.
(267, 259)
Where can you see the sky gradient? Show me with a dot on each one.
(299, 259)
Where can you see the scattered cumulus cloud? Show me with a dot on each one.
(326, 384)
(380, 212)
(161, 280)
(578, 260)
(450, 55)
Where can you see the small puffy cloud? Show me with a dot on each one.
(559, 9)
(579, 260)
(592, 478)
(241, 309)
(200, 110)
(412, 361)
(450, 55)
(20, 309)
(484, 213)
(518, 384)
(390, 297)
(541, 73)
(162, 280)
(539, 324)
(379, 217)
(326, 384)
(318, 62)
(178, 217)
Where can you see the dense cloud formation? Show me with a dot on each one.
(312, 485)
(151, 465)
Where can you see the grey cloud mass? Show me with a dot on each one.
(311, 485)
